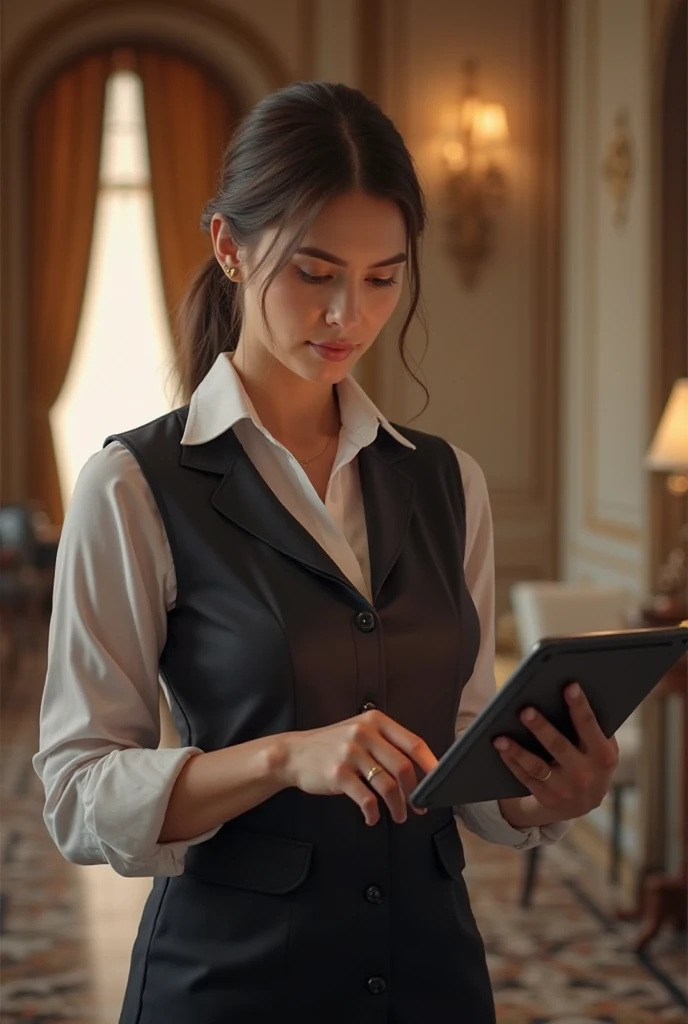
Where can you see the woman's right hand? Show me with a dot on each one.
(334, 761)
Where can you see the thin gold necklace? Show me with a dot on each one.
(307, 462)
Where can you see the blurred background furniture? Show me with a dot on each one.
(28, 547)
(558, 609)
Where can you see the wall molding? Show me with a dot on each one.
(114, 22)
(593, 522)
(593, 556)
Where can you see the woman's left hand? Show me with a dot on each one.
(582, 775)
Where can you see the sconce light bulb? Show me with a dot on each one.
(490, 126)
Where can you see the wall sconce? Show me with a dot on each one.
(473, 137)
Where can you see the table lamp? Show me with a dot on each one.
(668, 454)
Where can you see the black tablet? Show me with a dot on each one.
(616, 670)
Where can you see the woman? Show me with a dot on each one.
(314, 588)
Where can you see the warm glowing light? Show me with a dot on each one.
(669, 449)
(470, 110)
(490, 126)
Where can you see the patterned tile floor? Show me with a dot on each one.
(67, 931)
(565, 958)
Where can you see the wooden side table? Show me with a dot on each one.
(663, 897)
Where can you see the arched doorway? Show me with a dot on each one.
(207, 34)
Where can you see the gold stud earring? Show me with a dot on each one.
(230, 271)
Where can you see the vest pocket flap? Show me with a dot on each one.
(450, 850)
(250, 860)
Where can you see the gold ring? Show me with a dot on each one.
(545, 778)
(372, 773)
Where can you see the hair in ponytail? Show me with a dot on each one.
(208, 322)
(299, 148)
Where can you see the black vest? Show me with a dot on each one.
(297, 909)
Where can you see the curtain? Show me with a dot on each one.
(66, 133)
(188, 121)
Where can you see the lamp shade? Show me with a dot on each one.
(669, 449)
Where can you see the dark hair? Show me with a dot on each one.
(299, 148)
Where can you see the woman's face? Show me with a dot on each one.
(328, 305)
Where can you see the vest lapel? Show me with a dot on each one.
(388, 498)
(244, 498)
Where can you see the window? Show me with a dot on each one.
(121, 371)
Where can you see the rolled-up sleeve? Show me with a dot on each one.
(486, 819)
(107, 785)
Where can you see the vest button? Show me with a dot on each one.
(373, 894)
(377, 986)
(368, 706)
(365, 622)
